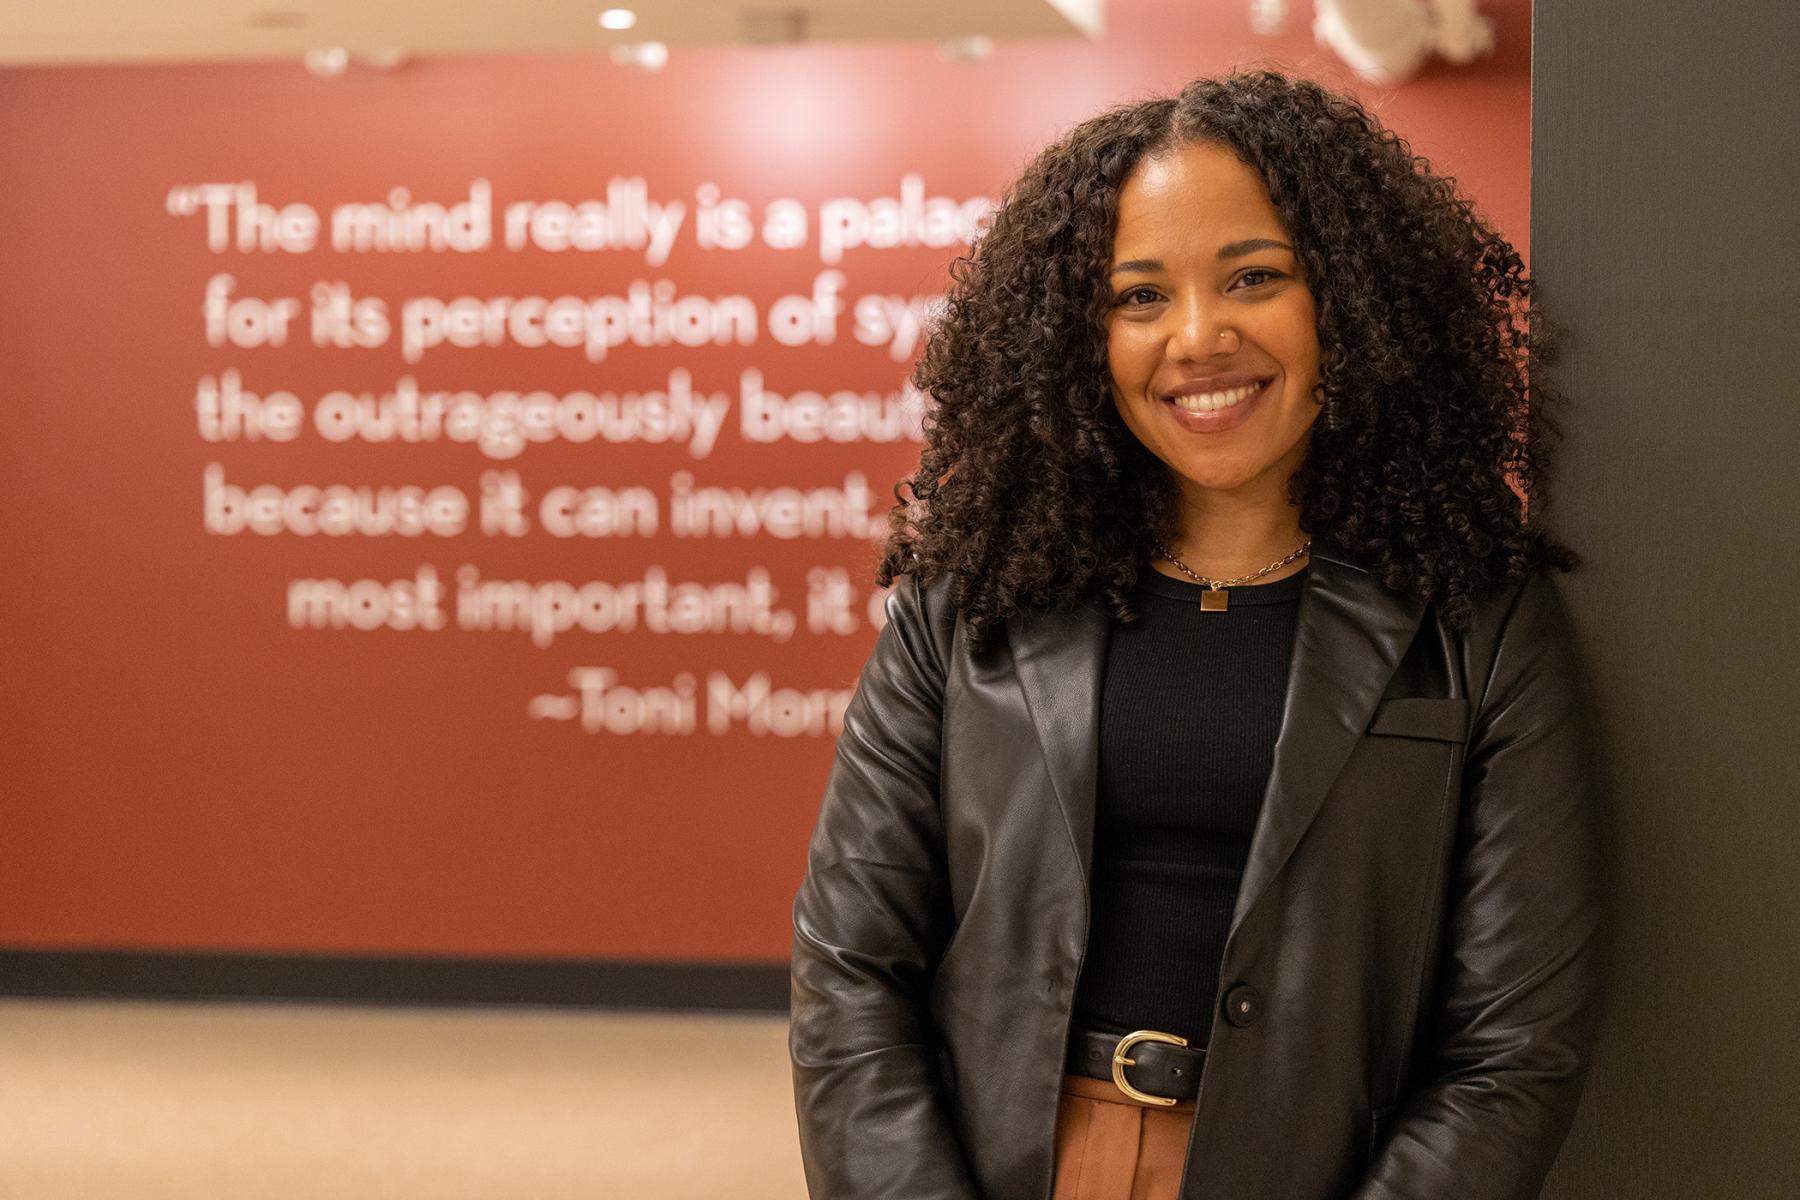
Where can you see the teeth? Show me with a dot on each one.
(1212, 401)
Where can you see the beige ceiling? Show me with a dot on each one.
(123, 31)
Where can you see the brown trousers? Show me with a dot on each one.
(1111, 1147)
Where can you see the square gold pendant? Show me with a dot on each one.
(1212, 600)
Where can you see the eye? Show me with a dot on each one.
(1258, 271)
(1125, 298)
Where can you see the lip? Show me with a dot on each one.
(1214, 383)
(1222, 419)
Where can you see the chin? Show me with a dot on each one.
(1215, 476)
(1214, 483)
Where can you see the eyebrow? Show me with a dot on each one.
(1229, 250)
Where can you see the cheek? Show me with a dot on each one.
(1300, 337)
(1115, 350)
(1128, 360)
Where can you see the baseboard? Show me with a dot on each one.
(747, 987)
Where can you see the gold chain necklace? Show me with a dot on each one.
(1215, 597)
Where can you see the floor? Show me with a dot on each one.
(126, 1100)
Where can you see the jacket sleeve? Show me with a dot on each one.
(870, 921)
(1518, 991)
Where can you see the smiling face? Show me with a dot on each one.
(1212, 339)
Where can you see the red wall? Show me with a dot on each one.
(185, 770)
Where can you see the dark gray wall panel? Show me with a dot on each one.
(1664, 198)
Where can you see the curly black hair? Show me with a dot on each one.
(1031, 491)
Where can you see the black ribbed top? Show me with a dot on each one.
(1190, 708)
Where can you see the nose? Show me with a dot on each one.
(1201, 331)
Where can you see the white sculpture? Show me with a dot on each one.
(1388, 41)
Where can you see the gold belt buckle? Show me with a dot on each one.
(1120, 1062)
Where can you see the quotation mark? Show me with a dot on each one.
(182, 201)
(554, 708)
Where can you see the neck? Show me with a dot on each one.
(1227, 536)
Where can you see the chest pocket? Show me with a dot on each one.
(1433, 718)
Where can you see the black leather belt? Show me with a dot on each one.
(1158, 1070)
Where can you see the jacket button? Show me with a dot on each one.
(1243, 1005)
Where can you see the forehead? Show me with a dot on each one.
(1200, 193)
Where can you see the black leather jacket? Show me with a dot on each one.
(1409, 989)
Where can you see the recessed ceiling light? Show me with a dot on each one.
(617, 18)
(646, 56)
(966, 49)
(327, 61)
(385, 58)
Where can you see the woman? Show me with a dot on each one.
(1216, 813)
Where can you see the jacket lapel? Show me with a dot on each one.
(1348, 639)
(1349, 636)
(1060, 659)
